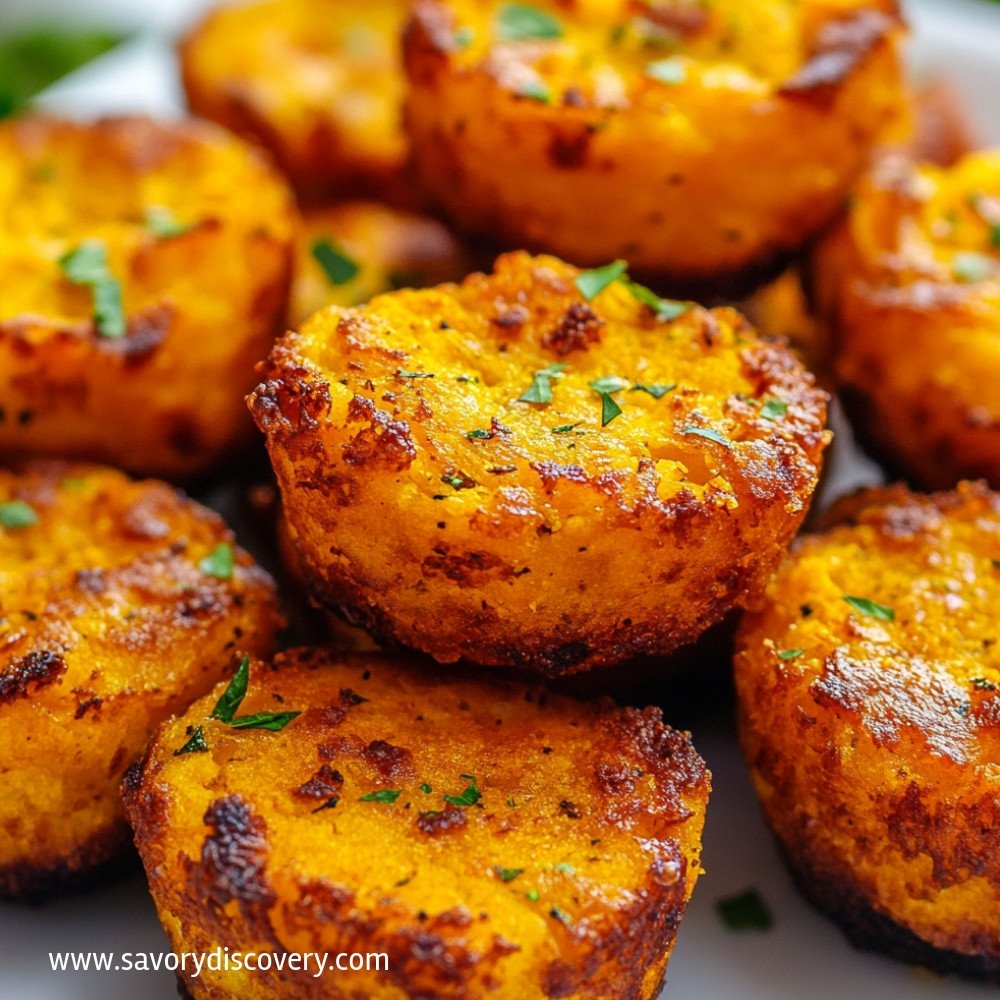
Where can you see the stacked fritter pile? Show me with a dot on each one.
(549, 466)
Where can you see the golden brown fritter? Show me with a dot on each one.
(526, 470)
(354, 250)
(130, 319)
(319, 83)
(701, 142)
(911, 287)
(119, 603)
(868, 687)
(488, 838)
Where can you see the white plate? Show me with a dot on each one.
(804, 956)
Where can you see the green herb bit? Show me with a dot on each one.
(426, 789)
(387, 795)
(228, 704)
(565, 869)
(558, 914)
(774, 409)
(469, 796)
(540, 390)
(972, 267)
(273, 722)
(871, 609)
(745, 912)
(161, 223)
(610, 410)
(982, 684)
(610, 383)
(657, 391)
(709, 434)
(219, 562)
(535, 90)
(591, 283)
(338, 267)
(667, 310)
(478, 435)
(790, 654)
(567, 428)
(519, 22)
(87, 264)
(671, 70)
(508, 874)
(16, 514)
(196, 744)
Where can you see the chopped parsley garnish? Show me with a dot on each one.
(971, 267)
(273, 722)
(604, 387)
(540, 390)
(469, 796)
(565, 869)
(426, 789)
(591, 283)
(196, 743)
(219, 562)
(561, 915)
(403, 373)
(338, 267)
(610, 383)
(774, 409)
(567, 428)
(478, 435)
(745, 912)
(87, 264)
(532, 894)
(709, 434)
(231, 699)
(508, 874)
(656, 391)
(536, 91)
(161, 223)
(871, 609)
(982, 684)
(790, 654)
(16, 514)
(519, 22)
(609, 409)
(666, 309)
(388, 795)
(671, 70)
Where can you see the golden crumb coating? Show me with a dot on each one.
(868, 685)
(355, 250)
(119, 602)
(911, 286)
(319, 83)
(490, 839)
(703, 142)
(144, 269)
(527, 470)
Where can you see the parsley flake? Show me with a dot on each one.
(558, 914)
(535, 90)
(790, 654)
(196, 744)
(519, 22)
(567, 428)
(982, 684)
(219, 562)
(671, 70)
(338, 267)
(388, 795)
(745, 912)
(469, 796)
(610, 383)
(774, 409)
(540, 390)
(610, 410)
(87, 264)
(666, 310)
(16, 514)
(871, 609)
(231, 699)
(656, 391)
(591, 283)
(532, 894)
(273, 722)
(478, 435)
(161, 223)
(426, 789)
(709, 434)
(508, 874)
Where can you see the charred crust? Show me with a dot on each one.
(390, 761)
(29, 673)
(839, 48)
(234, 855)
(436, 822)
(324, 784)
(289, 405)
(579, 327)
(837, 895)
(683, 22)
(384, 443)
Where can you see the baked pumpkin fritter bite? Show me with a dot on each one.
(486, 837)
(540, 467)
(144, 269)
(354, 250)
(910, 284)
(870, 718)
(118, 603)
(701, 141)
(318, 82)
